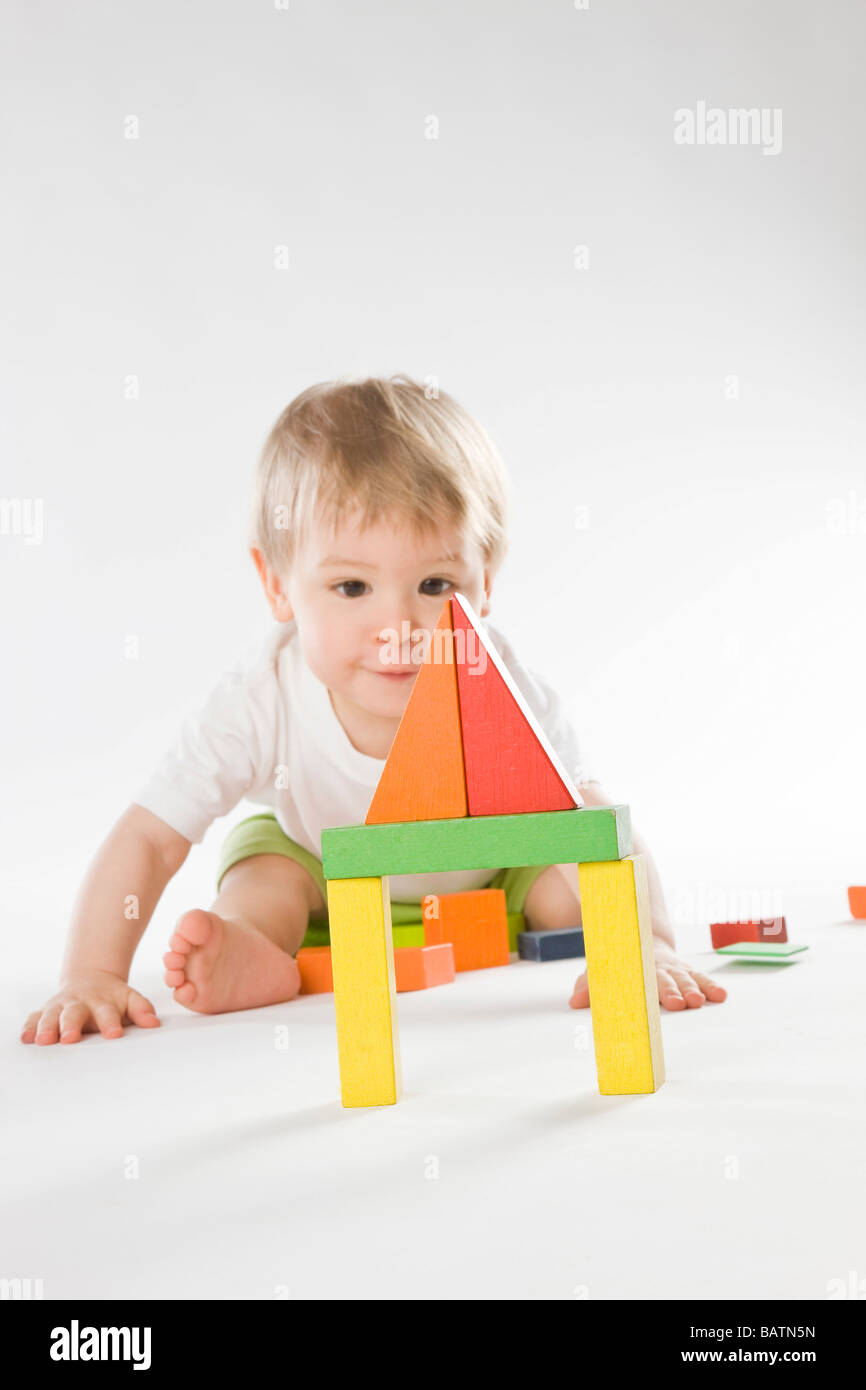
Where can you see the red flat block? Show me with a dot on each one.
(764, 929)
(422, 967)
(857, 901)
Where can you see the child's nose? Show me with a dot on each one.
(403, 631)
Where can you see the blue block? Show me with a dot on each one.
(550, 945)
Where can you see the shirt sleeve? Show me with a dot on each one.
(222, 751)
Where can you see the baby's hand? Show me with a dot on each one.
(95, 1002)
(680, 985)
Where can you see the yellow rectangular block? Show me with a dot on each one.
(620, 965)
(365, 991)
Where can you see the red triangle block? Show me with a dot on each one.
(510, 765)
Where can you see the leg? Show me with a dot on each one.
(272, 893)
(553, 900)
(239, 954)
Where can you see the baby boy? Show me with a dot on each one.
(374, 501)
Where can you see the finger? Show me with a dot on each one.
(669, 992)
(108, 1020)
(688, 987)
(28, 1032)
(141, 1011)
(580, 995)
(46, 1028)
(72, 1020)
(711, 988)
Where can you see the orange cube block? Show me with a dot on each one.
(857, 901)
(422, 967)
(317, 976)
(475, 923)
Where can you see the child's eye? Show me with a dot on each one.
(357, 583)
(447, 582)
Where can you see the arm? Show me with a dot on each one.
(127, 875)
(122, 887)
(594, 795)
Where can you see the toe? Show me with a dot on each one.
(174, 978)
(193, 929)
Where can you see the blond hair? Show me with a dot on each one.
(382, 447)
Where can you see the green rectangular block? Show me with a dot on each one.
(584, 835)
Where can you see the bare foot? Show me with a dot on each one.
(215, 966)
(680, 986)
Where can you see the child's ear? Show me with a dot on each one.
(485, 602)
(278, 599)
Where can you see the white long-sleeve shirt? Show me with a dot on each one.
(269, 733)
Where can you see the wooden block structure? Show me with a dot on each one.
(857, 901)
(563, 944)
(614, 909)
(520, 809)
(767, 929)
(475, 923)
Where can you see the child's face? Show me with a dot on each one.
(352, 592)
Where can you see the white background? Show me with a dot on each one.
(706, 626)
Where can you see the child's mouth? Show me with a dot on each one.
(397, 675)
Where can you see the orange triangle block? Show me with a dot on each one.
(510, 765)
(423, 776)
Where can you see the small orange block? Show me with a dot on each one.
(475, 923)
(421, 967)
(314, 963)
(857, 901)
(729, 933)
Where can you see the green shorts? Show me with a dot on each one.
(262, 834)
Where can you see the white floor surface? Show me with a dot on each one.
(205, 1159)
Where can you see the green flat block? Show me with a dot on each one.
(761, 951)
(581, 836)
